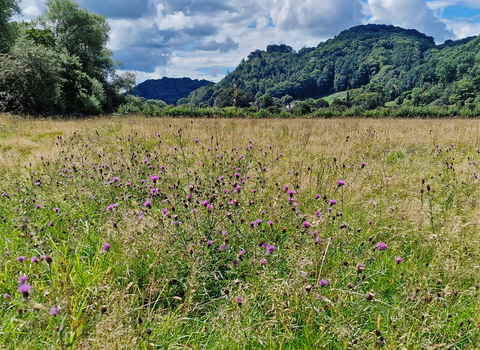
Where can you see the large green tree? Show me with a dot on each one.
(61, 64)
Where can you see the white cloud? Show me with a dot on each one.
(412, 14)
(463, 29)
(172, 21)
(314, 17)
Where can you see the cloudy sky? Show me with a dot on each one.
(204, 39)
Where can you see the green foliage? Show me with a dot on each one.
(60, 64)
(8, 30)
(31, 78)
(388, 64)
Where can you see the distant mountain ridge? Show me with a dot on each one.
(379, 59)
(169, 90)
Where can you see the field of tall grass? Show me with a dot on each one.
(162, 233)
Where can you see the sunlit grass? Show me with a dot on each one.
(173, 233)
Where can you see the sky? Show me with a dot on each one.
(205, 39)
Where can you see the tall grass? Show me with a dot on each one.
(233, 234)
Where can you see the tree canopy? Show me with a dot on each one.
(60, 64)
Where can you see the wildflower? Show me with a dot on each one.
(196, 140)
(318, 213)
(147, 204)
(56, 210)
(239, 300)
(363, 165)
(340, 183)
(6, 296)
(235, 263)
(154, 178)
(53, 311)
(263, 262)
(34, 260)
(204, 203)
(25, 290)
(106, 247)
(270, 222)
(209, 243)
(222, 247)
(360, 268)
(398, 260)
(332, 202)
(21, 258)
(241, 253)
(22, 279)
(306, 224)
(291, 192)
(270, 249)
(382, 246)
(323, 282)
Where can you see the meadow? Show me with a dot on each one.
(171, 233)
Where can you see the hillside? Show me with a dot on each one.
(379, 59)
(169, 90)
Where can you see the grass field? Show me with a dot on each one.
(144, 233)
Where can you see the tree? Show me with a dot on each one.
(8, 9)
(91, 83)
(31, 80)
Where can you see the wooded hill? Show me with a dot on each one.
(169, 90)
(376, 63)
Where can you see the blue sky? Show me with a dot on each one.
(204, 39)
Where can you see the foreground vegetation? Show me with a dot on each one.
(121, 233)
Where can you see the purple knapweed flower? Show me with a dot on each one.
(204, 203)
(56, 210)
(239, 300)
(270, 222)
(318, 213)
(147, 204)
(323, 282)
(6, 296)
(340, 183)
(154, 178)
(382, 246)
(398, 260)
(363, 165)
(209, 243)
(21, 259)
(25, 290)
(34, 260)
(270, 249)
(306, 224)
(263, 262)
(235, 262)
(53, 311)
(222, 247)
(22, 279)
(106, 247)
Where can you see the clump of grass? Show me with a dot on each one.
(144, 233)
